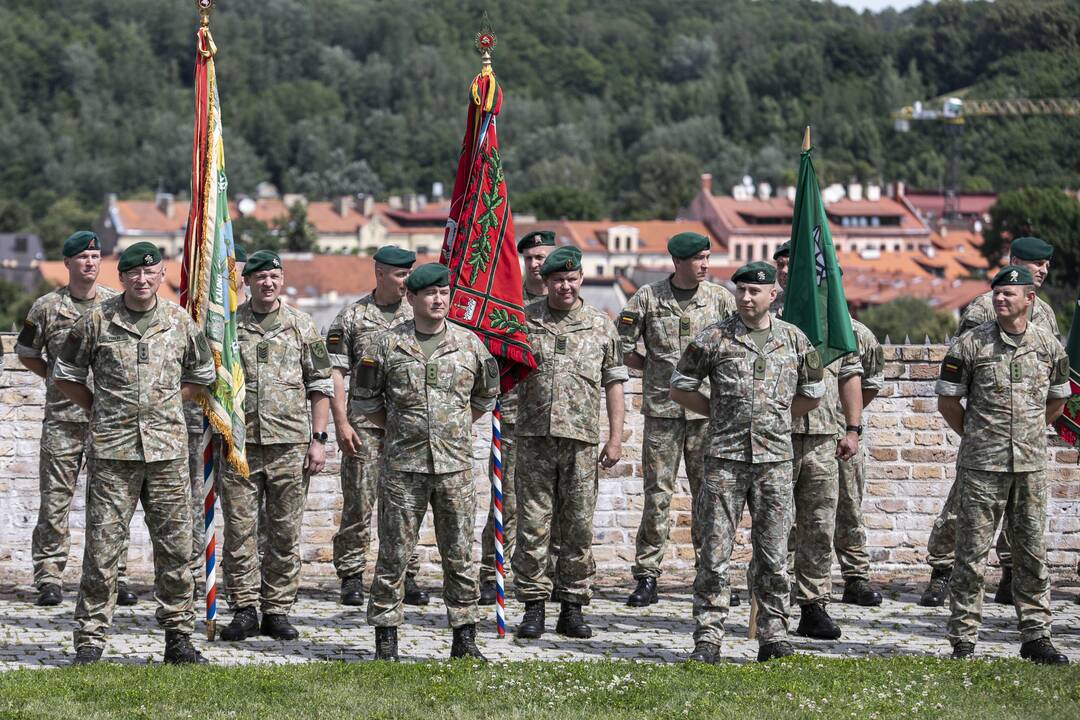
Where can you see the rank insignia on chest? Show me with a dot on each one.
(759, 369)
(1016, 372)
(431, 372)
(262, 352)
(143, 350)
(560, 345)
(684, 326)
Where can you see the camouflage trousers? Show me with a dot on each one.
(816, 486)
(984, 498)
(359, 488)
(509, 510)
(667, 441)
(403, 499)
(729, 486)
(849, 538)
(63, 446)
(941, 547)
(116, 486)
(555, 476)
(277, 482)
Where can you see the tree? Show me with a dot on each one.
(556, 202)
(64, 217)
(15, 303)
(14, 216)
(908, 317)
(254, 235)
(296, 232)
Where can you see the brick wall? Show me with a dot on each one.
(910, 468)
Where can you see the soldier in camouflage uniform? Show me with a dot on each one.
(1034, 255)
(285, 367)
(849, 537)
(64, 429)
(361, 441)
(425, 382)
(762, 372)
(578, 354)
(781, 257)
(666, 314)
(1014, 376)
(146, 356)
(534, 248)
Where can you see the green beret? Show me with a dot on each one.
(393, 255)
(1013, 275)
(783, 250)
(537, 238)
(1030, 248)
(561, 259)
(755, 273)
(81, 241)
(427, 275)
(138, 255)
(239, 253)
(262, 260)
(687, 244)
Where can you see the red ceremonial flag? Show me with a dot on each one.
(479, 247)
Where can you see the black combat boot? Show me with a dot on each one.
(816, 623)
(705, 652)
(386, 644)
(244, 624)
(180, 651)
(773, 650)
(1043, 652)
(352, 590)
(644, 594)
(963, 650)
(571, 623)
(125, 597)
(489, 592)
(49, 594)
(531, 626)
(464, 645)
(86, 655)
(413, 594)
(860, 592)
(934, 595)
(278, 627)
(1003, 596)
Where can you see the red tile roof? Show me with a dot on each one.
(54, 273)
(933, 203)
(590, 235)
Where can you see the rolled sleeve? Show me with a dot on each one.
(873, 382)
(950, 389)
(340, 362)
(321, 385)
(71, 373)
(27, 351)
(616, 374)
(686, 383)
(1058, 392)
(812, 390)
(200, 374)
(482, 403)
(850, 366)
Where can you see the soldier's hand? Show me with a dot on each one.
(315, 460)
(848, 446)
(347, 439)
(611, 453)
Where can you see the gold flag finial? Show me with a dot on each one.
(485, 41)
(205, 8)
(806, 139)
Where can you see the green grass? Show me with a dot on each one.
(800, 687)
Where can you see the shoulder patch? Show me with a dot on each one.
(334, 342)
(814, 372)
(1061, 371)
(952, 369)
(319, 359)
(70, 351)
(692, 358)
(491, 374)
(628, 321)
(202, 347)
(27, 334)
(367, 372)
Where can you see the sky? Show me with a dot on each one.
(877, 5)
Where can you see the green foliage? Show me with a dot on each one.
(908, 317)
(254, 235)
(625, 102)
(558, 202)
(15, 304)
(63, 217)
(295, 231)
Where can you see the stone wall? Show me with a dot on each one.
(910, 468)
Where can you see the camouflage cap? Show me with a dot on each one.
(687, 244)
(1012, 275)
(262, 260)
(782, 251)
(537, 238)
(561, 259)
(81, 241)
(395, 256)
(755, 273)
(1030, 248)
(427, 275)
(138, 255)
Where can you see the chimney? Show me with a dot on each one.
(900, 188)
(873, 193)
(706, 183)
(342, 205)
(367, 204)
(854, 192)
(165, 203)
(411, 203)
(764, 191)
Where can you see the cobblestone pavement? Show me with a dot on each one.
(41, 637)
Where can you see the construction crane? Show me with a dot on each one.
(954, 110)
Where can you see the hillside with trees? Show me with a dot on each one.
(613, 107)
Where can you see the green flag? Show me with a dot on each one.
(1068, 425)
(814, 296)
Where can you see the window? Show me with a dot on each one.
(749, 253)
(20, 244)
(738, 252)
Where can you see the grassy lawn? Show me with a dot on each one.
(798, 687)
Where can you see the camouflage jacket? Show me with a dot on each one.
(46, 328)
(353, 328)
(282, 367)
(575, 358)
(872, 360)
(428, 401)
(752, 390)
(137, 413)
(1007, 387)
(981, 310)
(653, 314)
(509, 401)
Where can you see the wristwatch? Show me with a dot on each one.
(857, 429)
(319, 437)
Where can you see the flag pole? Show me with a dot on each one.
(806, 139)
